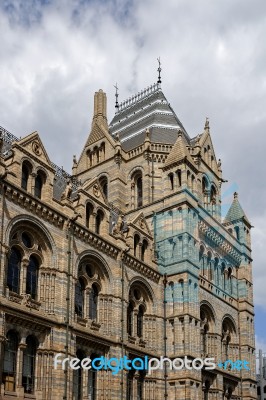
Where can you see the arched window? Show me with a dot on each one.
(227, 341)
(206, 390)
(89, 212)
(179, 177)
(228, 331)
(139, 192)
(172, 295)
(98, 221)
(25, 172)
(204, 190)
(189, 179)
(130, 376)
(79, 298)
(216, 271)
(223, 282)
(213, 195)
(78, 383)
(102, 150)
(207, 324)
(28, 369)
(140, 385)
(140, 321)
(39, 181)
(92, 380)
(209, 266)
(130, 316)
(143, 249)
(204, 331)
(10, 361)
(237, 232)
(32, 277)
(171, 180)
(136, 245)
(104, 185)
(201, 260)
(205, 339)
(229, 277)
(193, 183)
(93, 302)
(13, 270)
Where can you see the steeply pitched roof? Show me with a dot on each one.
(178, 152)
(235, 212)
(97, 133)
(148, 109)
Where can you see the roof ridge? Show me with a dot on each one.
(137, 97)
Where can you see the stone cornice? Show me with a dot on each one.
(95, 240)
(219, 240)
(108, 248)
(34, 205)
(142, 268)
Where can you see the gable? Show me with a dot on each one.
(94, 189)
(207, 152)
(140, 222)
(33, 145)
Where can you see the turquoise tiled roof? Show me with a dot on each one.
(235, 212)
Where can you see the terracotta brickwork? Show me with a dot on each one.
(127, 256)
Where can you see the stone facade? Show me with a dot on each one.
(128, 255)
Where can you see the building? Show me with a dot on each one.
(261, 376)
(127, 256)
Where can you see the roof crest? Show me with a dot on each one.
(139, 96)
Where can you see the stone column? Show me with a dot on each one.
(20, 389)
(23, 275)
(31, 183)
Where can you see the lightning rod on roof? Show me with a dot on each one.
(116, 96)
(159, 70)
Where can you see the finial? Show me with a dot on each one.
(147, 133)
(179, 134)
(235, 195)
(117, 136)
(74, 159)
(116, 96)
(159, 70)
(207, 124)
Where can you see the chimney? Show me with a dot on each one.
(99, 115)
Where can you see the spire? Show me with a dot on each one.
(159, 71)
(235, 212)
(207, 125)
(99, 128)
(116, 96)
(99, 115)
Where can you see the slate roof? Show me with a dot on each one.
(148, 109)
(235, 212)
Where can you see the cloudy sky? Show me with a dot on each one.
(55, 54)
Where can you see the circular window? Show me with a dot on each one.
(26, 239)
(89, 271)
